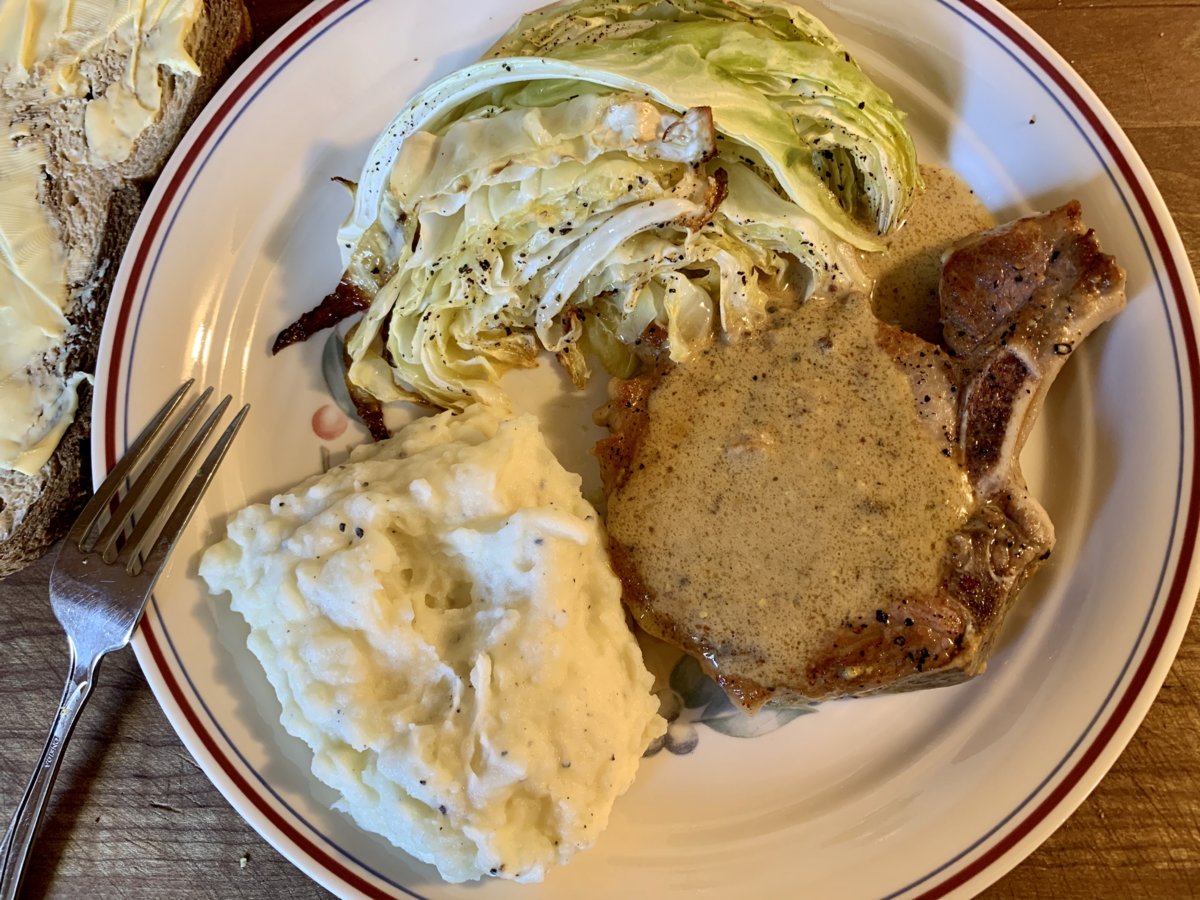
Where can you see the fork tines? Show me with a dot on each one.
(143, 503)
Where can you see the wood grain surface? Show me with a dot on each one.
(133, 816)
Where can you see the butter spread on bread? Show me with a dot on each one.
(94, 96)
(45, 46)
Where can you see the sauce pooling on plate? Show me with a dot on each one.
(906, 274)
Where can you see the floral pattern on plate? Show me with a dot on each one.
(692, 698)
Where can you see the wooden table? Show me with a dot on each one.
(134, 816)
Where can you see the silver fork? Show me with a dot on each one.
(101, 581)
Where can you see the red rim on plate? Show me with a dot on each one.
(1001, 848)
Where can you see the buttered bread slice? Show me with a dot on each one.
(94, 95)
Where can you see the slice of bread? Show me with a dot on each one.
(93, 210)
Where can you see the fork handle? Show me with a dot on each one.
(18, 842)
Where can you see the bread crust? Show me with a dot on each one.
(94, 212)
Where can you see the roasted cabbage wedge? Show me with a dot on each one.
(613, 171)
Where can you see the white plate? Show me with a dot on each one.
(921, 794)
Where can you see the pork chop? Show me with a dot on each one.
(835, 507)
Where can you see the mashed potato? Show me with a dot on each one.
(440, 622)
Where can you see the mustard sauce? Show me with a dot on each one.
(906, 274)
(785, 483)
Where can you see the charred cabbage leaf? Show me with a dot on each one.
(609, 167)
